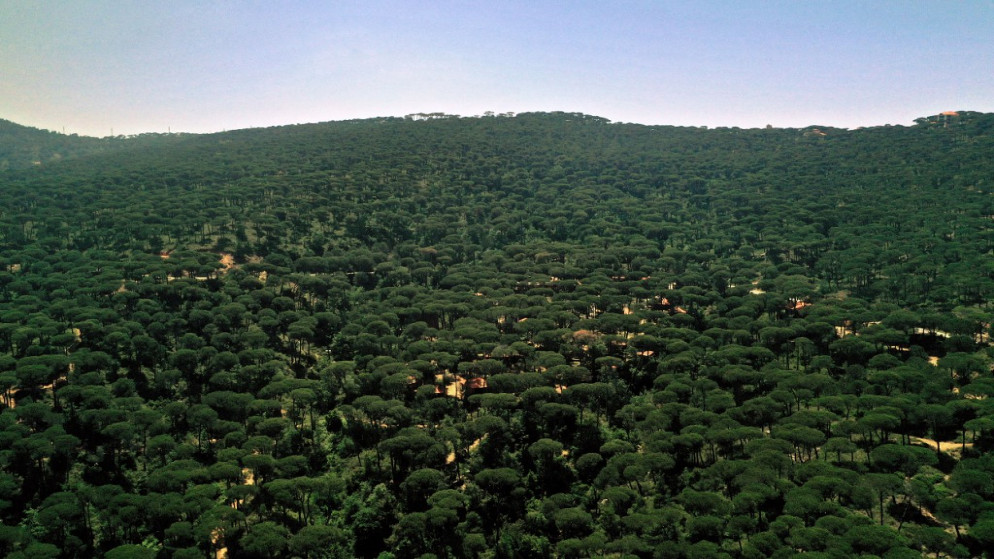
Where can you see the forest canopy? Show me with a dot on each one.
(531, 335)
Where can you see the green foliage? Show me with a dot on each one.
(509, 336)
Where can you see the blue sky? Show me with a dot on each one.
(90, 67)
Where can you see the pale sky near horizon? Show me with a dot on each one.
(95, 66)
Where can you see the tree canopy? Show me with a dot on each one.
(529, 335)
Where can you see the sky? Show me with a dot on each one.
(100, 67)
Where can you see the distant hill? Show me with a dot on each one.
(24, 146)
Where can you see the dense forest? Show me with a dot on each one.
(532, 335)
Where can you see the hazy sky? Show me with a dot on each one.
(90, 66)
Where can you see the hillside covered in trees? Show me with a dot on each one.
(528, 335)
